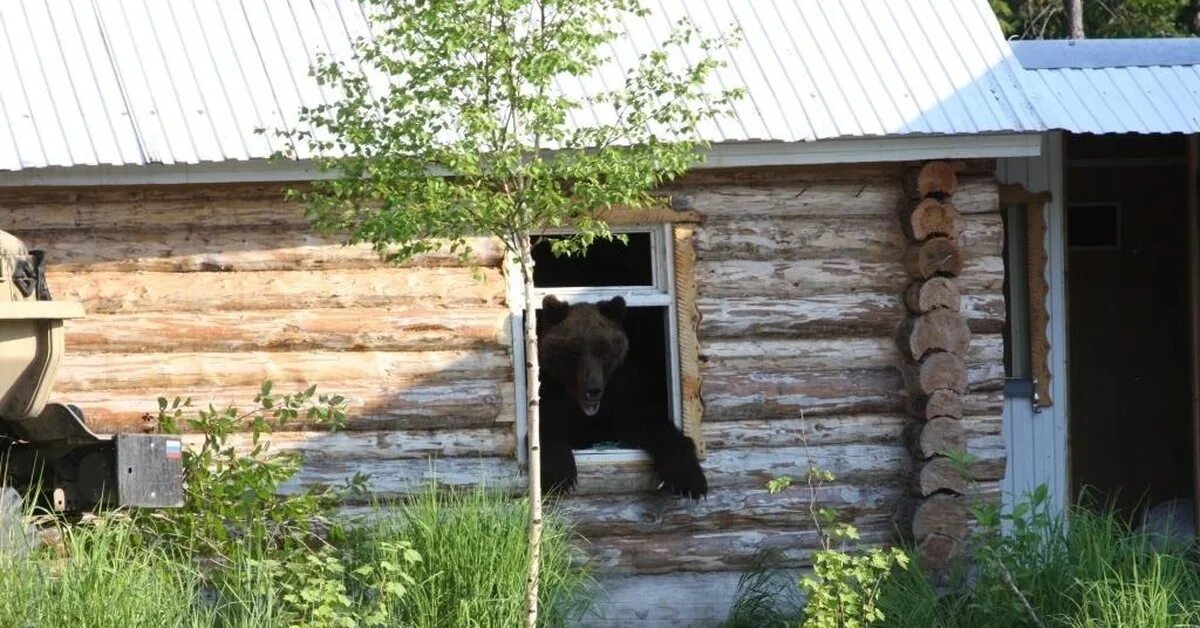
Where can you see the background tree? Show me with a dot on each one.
(450, 122)
(1046, 19)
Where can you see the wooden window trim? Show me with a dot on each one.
(1037, 286)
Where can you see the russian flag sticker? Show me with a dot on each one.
(174, 449)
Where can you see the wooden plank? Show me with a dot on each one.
(172, 371)
(109, 293)
(332, 329)
(687, 326)
(870, 194)
(866, 238)
(222, 249)
(451, 405)
(807, 278)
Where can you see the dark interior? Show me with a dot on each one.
(607, 263)
(617, 264)
(1130, 417)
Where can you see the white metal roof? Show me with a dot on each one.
(1114, 86)
(117, 82)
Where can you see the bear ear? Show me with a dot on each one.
(553, 311)
(613, 309)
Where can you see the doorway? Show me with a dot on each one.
(1129, 322)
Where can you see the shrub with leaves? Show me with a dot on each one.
(843, 590)
(231, 493)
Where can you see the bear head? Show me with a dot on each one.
(580, 347)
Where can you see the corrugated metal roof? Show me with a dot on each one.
(87, 82)
(1114, 86)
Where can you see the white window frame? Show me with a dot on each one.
(660, 293)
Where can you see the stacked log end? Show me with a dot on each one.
(934, 338)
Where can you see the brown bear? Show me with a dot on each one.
(590, 393)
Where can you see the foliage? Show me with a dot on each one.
(766, 595)
(474, 557)
(231, 494)
(1094, 572)
(1044, 19)
(472, 89)
(268, 560)
(843, 590)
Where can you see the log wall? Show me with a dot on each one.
(799, 275)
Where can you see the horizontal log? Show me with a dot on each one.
(934, 178)
(938, 330)
(459, 404)
(495, 441)
(726, 470)
(939, 256)
(926, 295)
(814, 354)
(929, 218)
(333, 329)
(824, 430)
(943, 402)
(940, 514)
(808, 278)
(173, 371)
(719, 551)
(198, 209)
(234, 248)
(680, 599)
(619, 515)
(938, 436)
(109, 293)
(941, 474)
(731, 395)
(934, 372)
(835, 315)
(869, 194)
(866, 238)
(937, 552)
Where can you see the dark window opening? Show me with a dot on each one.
(1094, 226)
(1016, 293)
(607, 263)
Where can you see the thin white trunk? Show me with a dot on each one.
(533, 424)
(1074, 15)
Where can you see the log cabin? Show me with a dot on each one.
(867, 273)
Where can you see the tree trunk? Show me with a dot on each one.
(533, 435)
(1074, 15)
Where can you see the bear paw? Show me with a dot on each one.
(685, 480)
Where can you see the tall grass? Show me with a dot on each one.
(101, 576)
(1094, 573)
(474, 551)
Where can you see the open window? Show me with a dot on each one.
(652, 271)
